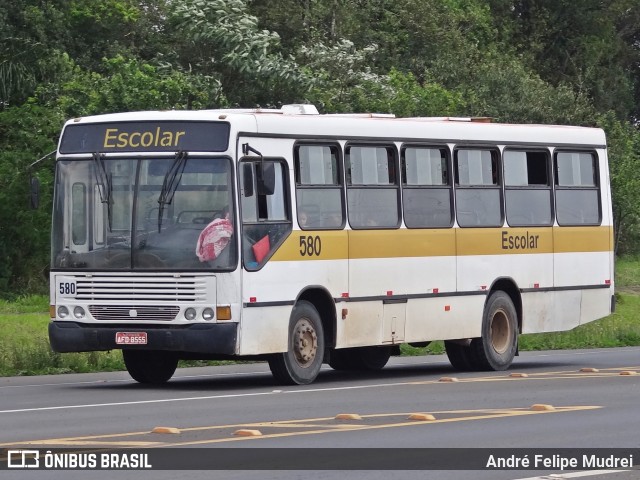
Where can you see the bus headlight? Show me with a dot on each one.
(78, 312)
(63, 312)
(208, 314)
(190, 313)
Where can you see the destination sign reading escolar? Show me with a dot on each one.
(145, 136)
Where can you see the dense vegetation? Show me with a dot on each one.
(543, 61)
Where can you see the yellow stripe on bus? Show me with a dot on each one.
(583, 239)
(359, 244)
(402, 243)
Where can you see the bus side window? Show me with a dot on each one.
(319, 197)
(426, 188)
(478, 196)
(527, 188)
(373, 190)
(577, 189)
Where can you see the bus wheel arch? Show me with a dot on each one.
(324, 303)
(509, 286)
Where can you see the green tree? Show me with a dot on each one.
(33, 32)
(224, 42)
(623, 140)
(24, 233)
(591, 45)
(503, 88)
(129, 85)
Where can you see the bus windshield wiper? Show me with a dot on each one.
(104, 182)
(170, 184)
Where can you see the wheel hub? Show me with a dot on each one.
(305, 342)
(500, 332)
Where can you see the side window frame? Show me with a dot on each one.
(448, 185)
(391, 149)
(496, 158)
(567, 188)
(530, 187)
(302, 187)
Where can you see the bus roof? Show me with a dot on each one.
(304, 121)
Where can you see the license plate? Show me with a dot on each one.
(131, 338)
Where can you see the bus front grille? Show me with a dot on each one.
(130, 312)
(158, 288)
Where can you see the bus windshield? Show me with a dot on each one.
(143, 214)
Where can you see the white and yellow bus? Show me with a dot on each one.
(302, 238)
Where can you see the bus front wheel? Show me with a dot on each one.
(301, 363)
(150, 366)
(499, 342)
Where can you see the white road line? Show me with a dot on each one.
(177, 377)
(209, 397)
(129, 380)
(139, 402)
(561, 476)
(566, 354)
(61, 383)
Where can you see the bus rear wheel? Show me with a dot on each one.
(499, 342)
(341, 359)
(361, 358)
(373, 358)
(152, 367)
(301, 363)
(461, 356)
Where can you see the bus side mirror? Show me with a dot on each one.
(266, 178)
(247, 179)
(34, 193)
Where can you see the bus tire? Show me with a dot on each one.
(360, 358)
(460, 356)
(499, 342)
(372, 358)
(152, 367)
(341, 359)
(301, 363)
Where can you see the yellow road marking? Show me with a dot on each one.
(559, 375)
(303, 425)
(494, 414)
(314, 425)
(78, 443)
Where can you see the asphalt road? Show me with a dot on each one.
(209, 407)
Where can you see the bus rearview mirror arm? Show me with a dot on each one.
(34, 182)
(266, 178)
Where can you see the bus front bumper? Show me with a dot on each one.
(213, 338)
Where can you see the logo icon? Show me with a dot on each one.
(23, 459)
